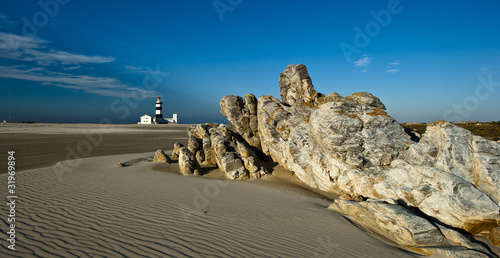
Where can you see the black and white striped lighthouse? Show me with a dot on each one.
(158, 109)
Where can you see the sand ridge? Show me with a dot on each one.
(99, 209)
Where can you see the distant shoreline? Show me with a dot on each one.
(84, 123)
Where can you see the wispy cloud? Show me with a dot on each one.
(34, 49)
(103, 86)
(363, 62)
(392, 67)
(5, 22)
(146, 70)
(133, 68)
(38, 59)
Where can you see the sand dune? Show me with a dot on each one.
(99, 209)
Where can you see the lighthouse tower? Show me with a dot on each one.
(159, 116)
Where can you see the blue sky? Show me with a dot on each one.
(85, 61)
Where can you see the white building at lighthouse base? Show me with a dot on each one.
(145, 120)
(148, 120)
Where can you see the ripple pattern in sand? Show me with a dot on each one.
(99, 210)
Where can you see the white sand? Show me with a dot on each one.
(99, 209)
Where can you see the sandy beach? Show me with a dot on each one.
(41, 145)
(89, 207)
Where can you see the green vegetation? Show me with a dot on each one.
(487, 130)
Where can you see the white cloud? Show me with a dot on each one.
(34, 49)
(38, 59)
(137, 70)
(68, 58)
(133, 67)
(14, 45)
(392, 67)
(5, 22)
(148, 70)
(71, 67)
(363, 62)
(103, 86)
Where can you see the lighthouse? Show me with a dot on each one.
(159, 116)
